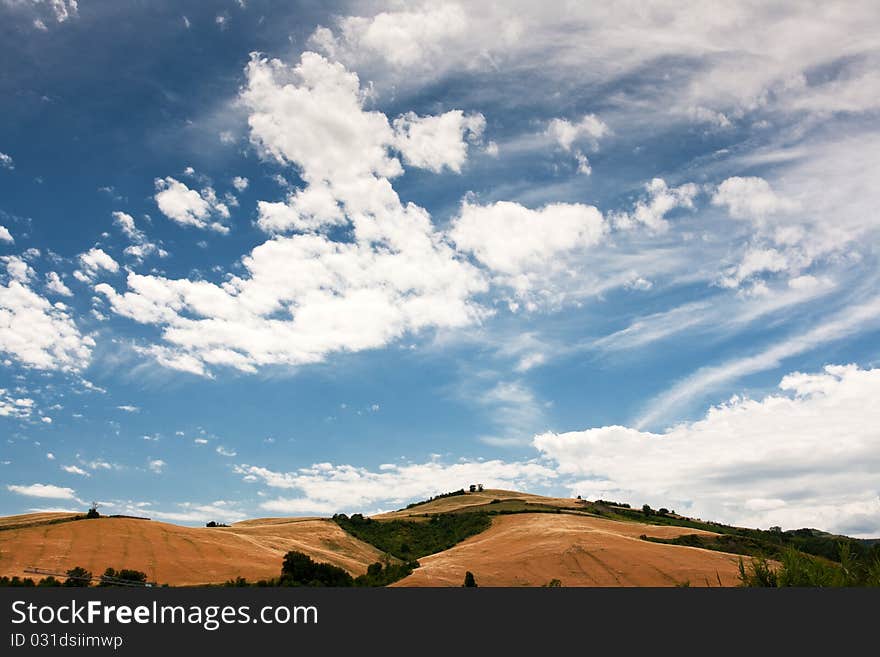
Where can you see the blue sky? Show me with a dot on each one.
(265, 258)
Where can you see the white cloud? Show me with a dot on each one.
(73, 469)
(526, 247)
(157, 465)
(50, 456)
(39, 334)
(302, 297)
(219, 511)
(770, 64)
(56, 285)
(188, 207)
(750, 198)
(95, 260)
(856, 318)
(510, 238)
(12, 406)
(589, 129)
(128, 408)
(46, 420)
(43, 490)
(6, 161)
(223, 451)
(17, 268)
(240, 183)
(326, 488)
(808, 458)
(126, 224)
(403, 39)
(660, 200)
(434, 142)
(5, 235)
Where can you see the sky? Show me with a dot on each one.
(264, 258)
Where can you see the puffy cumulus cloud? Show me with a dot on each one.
(190, 208)
(126, 224)
(755, 261)
(17, 268)
(590, 129)
(92, 262)
(36, 332)
(660, 200)
(140, 247)
(434, 142)
(750, 198)
(56, 285)
(5, 235)
(156, 465)
(306, 295)
(404, 39)
(48, 491)
(327, 488)
(805, 457)
(312, 115)
(6, 161)
(523, 245)
(240, 183)
(15, 407)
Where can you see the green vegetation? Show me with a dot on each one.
(379, 574)
(454, 493)
(469, 581)
(774, 544)
(553, 584)
(799, 569)
(78, 577)
(299, 569)
(122, 577)
(408, 540)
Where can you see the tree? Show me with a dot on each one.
(647, 510)
(299, 569)
(663, 511)
(113, 577)
(78, 577)
(469, 581)
(93, 511)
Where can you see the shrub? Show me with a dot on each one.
(78, 577)
(112, 577)
(469, 581)
(299, 569)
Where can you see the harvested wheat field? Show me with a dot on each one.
(468, 500)
(171, 554)
(533, 549)
(33, 519)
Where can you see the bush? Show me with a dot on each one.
(78, 577)
(647, 511)
(122, 577)
(299, 569)
(469, 581)
(379, 574)
(93, 512)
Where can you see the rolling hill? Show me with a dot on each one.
(522, 540)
